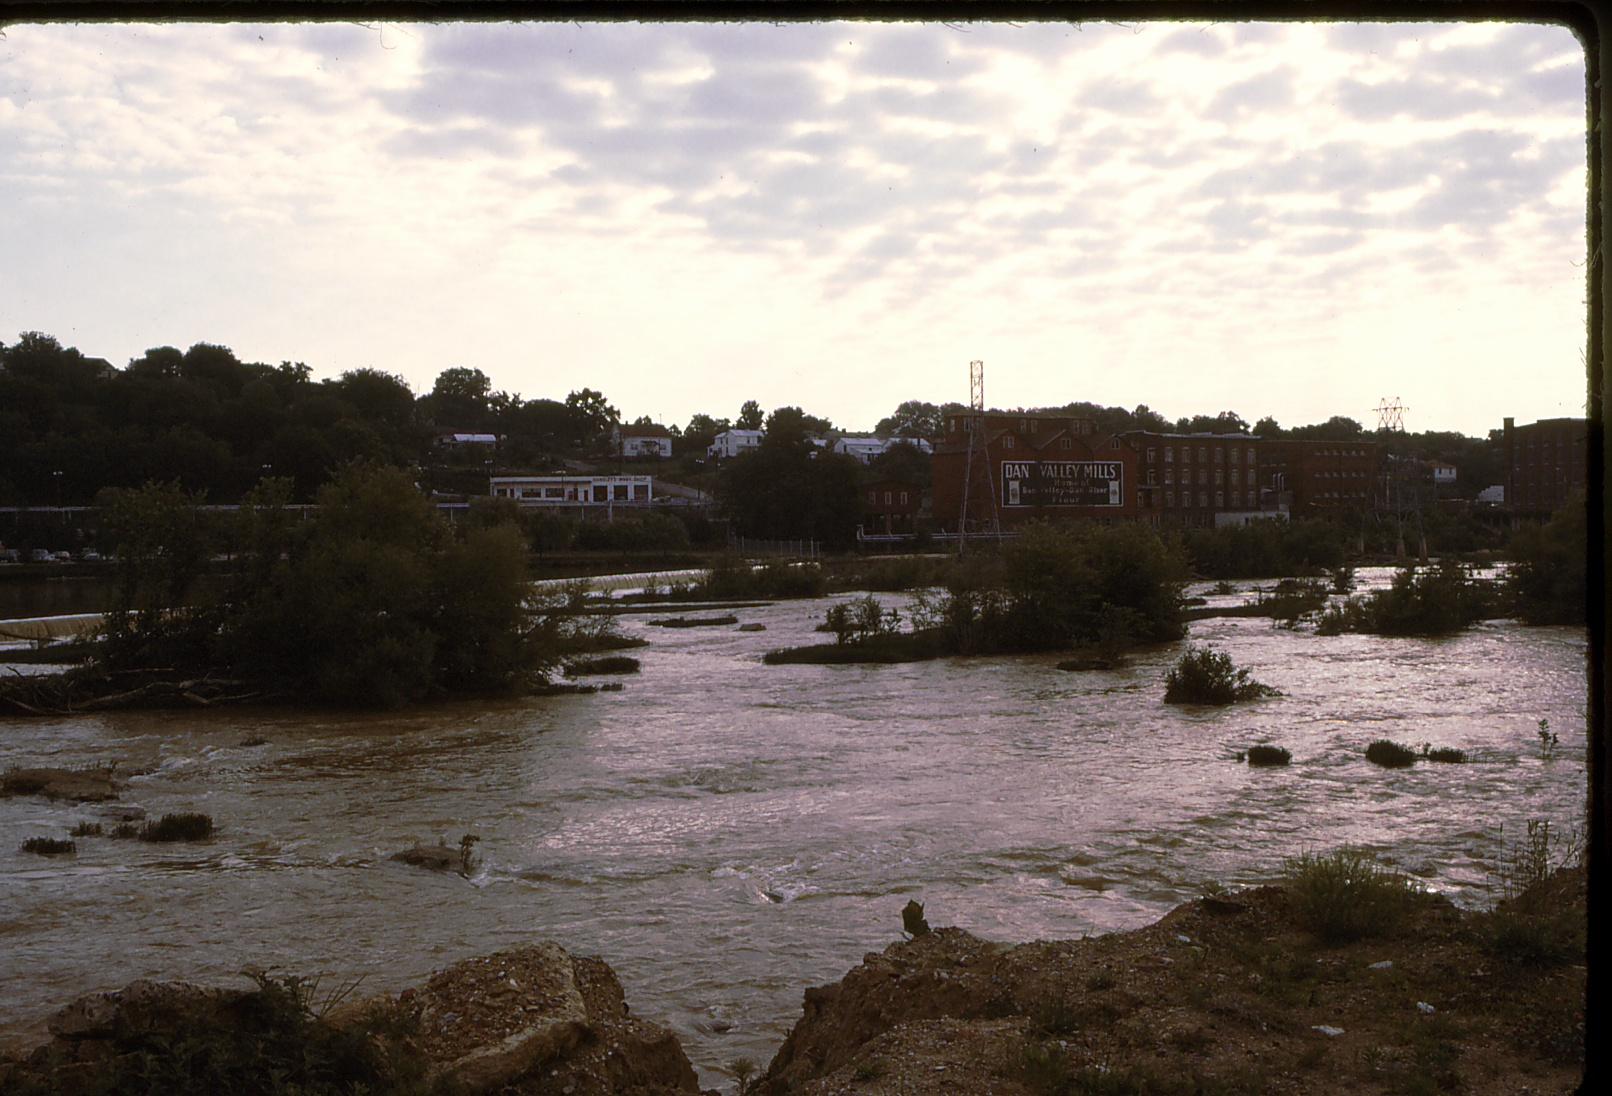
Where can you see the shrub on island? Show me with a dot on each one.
(1268, 755)
(1207, 676)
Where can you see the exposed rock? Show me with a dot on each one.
(753, 626)
(694, 622)
(531, 1020)
(79, 785)
(435, 857)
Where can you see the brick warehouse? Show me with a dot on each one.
(1033, 467)
(1050, 467)
(1545, 464)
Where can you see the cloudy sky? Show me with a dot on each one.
(1287, 220)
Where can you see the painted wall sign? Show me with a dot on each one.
(1062, 483)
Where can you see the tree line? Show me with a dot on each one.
(71, 424)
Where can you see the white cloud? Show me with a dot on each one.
(855, 210)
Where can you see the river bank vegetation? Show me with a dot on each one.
(372, 599)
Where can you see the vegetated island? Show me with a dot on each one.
(1342, 977)
(373, 600)
(1100, 589)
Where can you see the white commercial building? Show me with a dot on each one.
(568, 492)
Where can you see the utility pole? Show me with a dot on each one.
(975, 424)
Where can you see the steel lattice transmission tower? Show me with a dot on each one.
(975, 423)
(1391, 416)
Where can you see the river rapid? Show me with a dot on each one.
(726, 833)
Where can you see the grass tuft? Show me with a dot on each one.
(86, 829)
(49, 846)
(178, 827)
(1344, 896)
(1390, 755)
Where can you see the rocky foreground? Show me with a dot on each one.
(1227, 994)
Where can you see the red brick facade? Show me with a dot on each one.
(1032, 467)
(1323, 477)
(1545, 464)
(890, 507)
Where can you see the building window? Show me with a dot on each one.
(1169, 475)
(1186, 454)
(1065, 443)
(1150, 454)
(1250, 477)
(1220, 476)
(1203, 499)
(903, 498)
(1203, 455)
(1152, 477)
(1169, 455)
(1007, 442)
(1169, 498)
(1220, 455)
(1203, 476)
(1220, 500)
(1236, 496)
(873, 497)
(1235, 453)
(887, 498)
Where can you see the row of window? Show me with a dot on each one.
(1145, 499)
(1009, 442)
(873, 499)
(1203, 454)
(1203, 476)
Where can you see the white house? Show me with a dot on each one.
(1443, 474)
(643, 441)
(574, 492)
(730, 443)
(865, 449)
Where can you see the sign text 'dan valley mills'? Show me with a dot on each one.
(1062, 483)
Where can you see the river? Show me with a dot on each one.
(726, 833)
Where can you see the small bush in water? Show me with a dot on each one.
(1390, 755)
(49, 846)
(85, 829)
(1268, 755)
(1207, 676)
(1344, 896)
(1444, 753)
(178, 827)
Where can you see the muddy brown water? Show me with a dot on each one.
(726, 833)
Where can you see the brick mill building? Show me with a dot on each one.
(1039, 467)
(1029, 467)
(890, 507)
(1545, 464)
(1320, 478)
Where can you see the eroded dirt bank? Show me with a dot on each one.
(1226, 994)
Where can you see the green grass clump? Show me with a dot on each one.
(1390, 755)
(1268, 755)
(49, 846)
(85, 829)
(1344, 896)
(1207, 676)
(1447, 754)
(178, 827)
(125, 829)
